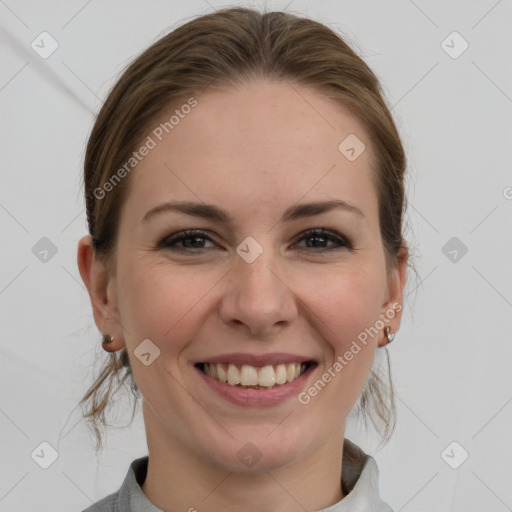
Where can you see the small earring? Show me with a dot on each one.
(107, 339)
(389, 335)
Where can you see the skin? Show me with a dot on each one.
(253, 151)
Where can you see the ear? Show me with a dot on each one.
(102, 292)
(391, 312)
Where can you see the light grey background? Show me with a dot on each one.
(451, 358)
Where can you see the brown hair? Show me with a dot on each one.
(229, 47)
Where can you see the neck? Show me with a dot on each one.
(179, 478)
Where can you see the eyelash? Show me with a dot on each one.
(169, 242)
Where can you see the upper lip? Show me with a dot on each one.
(257, 359)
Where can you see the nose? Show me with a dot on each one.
(258, 297)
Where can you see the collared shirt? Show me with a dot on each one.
(359, 481)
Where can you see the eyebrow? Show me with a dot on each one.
(214, 213)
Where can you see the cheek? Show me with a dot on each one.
(345, 312)
(345, 306)
(162, 304)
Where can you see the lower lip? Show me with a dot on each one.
(257, 397)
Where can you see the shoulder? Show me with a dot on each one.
(107, 504)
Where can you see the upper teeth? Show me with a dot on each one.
(248, 375)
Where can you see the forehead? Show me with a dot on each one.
(256, 147)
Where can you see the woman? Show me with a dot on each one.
(244, 191)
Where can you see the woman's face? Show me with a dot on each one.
(250, 288)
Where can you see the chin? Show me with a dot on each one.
(249, 453)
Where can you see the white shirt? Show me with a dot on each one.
(359, 480)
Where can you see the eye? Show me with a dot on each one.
(192, 238)
(321, 236)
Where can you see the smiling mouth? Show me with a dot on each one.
(263, 377)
